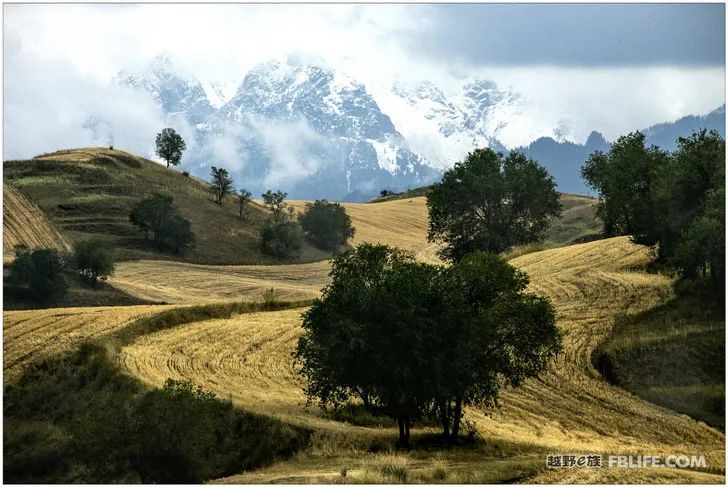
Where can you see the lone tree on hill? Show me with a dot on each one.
(326, 224)
(411, 339)
(170, 146)
(93, 260)
(275, 201)
(222, 183)
(490, 202)
(244, 199)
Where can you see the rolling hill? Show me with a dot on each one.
(88, 193)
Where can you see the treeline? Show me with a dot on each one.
(673, 202)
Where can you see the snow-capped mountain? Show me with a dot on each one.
(316, 132)
(299, 127)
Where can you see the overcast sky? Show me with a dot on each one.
(612, 68)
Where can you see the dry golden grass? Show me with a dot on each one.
(568, 409)
(402, 223)
(34, 334)
(25, 224)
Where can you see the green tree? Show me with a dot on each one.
(161, 221)
(170, 146)
(281, 238)
(491, 202)
(275, 201)
(42, 271)
(327, 225)
(409, 338)
(624, 178)
(93, 260)
(222, 183)
(244, 199)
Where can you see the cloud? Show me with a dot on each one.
(612, 68)
(572, 35)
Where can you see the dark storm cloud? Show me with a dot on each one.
(575, 34)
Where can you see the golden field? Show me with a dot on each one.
(247, 358)
(569, 408)
(25, 224)
(31, 335)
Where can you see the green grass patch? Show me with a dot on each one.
(672, 355)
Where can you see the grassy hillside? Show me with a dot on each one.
(25, 224)
(89, 193)
(672, 355)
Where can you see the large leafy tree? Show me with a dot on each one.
(409, 338)
(624, 177)
(673, 202)
(490, 202)
(42, 271)
(326, 224)
(93, 260)
(161, 222)
(222, 183)
(170, 146)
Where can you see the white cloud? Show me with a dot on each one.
(59, 60)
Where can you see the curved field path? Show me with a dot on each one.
(570, 408)
(31, 335)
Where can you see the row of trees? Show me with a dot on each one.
(673, 202)
(42, 271)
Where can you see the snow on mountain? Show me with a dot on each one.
(301, 126)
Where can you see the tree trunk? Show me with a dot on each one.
(457, 414)
(444, 419)
(167, 162)
(403, 439)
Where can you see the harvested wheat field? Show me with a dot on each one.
(31, 335)
(570, 408)
(25, 224)
(402, 223)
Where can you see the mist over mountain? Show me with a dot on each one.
(315, 132)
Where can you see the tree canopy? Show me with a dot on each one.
(275, 201)
(222, 183)
(671, 201)
(93, 260)
(412, 339)
(160, 220)
(41, 270)
(244, 198)
(326, 224)
(170, 146)
(491, 202)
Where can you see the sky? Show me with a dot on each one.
(612, 68)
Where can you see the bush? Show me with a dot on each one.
(93, 260)
(79, 419)
(326, 224)
(42, 271)
(282, 239)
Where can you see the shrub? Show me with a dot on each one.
(93, 260)
(42, 271)
(282, 239)
(326, 224)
